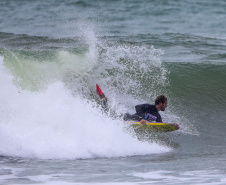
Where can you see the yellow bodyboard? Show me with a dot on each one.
(155, 126)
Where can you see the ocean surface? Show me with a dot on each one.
(52, 128)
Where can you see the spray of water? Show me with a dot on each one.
(53, 123)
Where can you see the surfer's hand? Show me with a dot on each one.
(176, 125)
(143, 121)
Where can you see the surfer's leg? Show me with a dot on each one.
(105, 104)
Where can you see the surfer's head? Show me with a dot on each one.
(161, 102)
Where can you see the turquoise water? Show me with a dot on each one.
(52, 54)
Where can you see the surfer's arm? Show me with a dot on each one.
(159, 118)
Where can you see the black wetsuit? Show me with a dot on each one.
(141, 111)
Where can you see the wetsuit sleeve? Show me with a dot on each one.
(159, 118)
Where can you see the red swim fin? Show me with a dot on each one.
(103, 98)
(99, 92)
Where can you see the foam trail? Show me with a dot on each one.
(54, 124)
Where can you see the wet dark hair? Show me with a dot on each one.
(160, 99)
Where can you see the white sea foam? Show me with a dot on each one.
(187, 177)
(95, 183)
(56, 124)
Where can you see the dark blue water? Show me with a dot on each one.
(53, 53)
